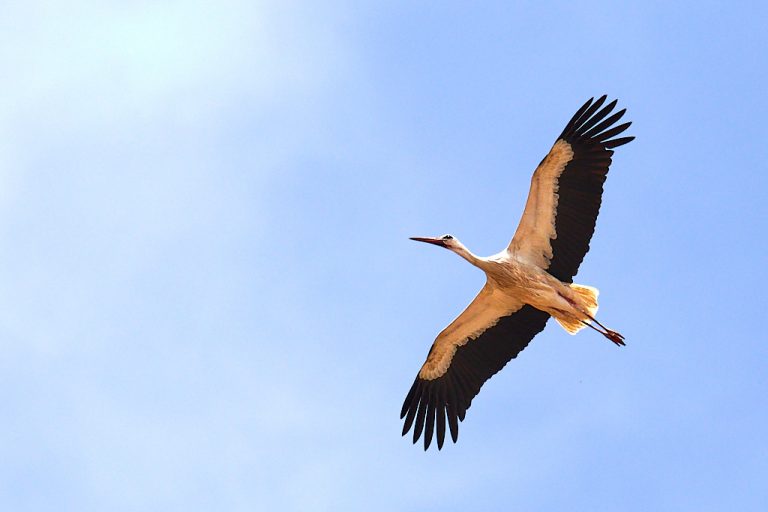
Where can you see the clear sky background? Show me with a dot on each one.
(208, 300)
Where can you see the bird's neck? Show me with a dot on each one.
(467, 255)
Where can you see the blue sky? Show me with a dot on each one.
(209, 301)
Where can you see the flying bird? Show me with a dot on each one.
(527, 282)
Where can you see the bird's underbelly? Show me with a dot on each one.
(545, 298)
(538, 289)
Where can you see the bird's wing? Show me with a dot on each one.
(477, 344)
(566, 190)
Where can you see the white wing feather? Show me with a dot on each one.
(532, 239)
(483, 312)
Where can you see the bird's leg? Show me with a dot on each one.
(593, 327)
(614, 336)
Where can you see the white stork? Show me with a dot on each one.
(529, 281)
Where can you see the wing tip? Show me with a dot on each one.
(431, 404)
(614, 143)
(590, 125)
(427, 409)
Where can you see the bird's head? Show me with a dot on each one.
(451, 243)
(447, 241)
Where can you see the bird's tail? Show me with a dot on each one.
(588, 300)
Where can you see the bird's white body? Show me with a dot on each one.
(532, 285)
(524, 282)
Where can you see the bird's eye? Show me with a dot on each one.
(448, 237)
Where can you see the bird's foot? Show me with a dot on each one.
(615, 337)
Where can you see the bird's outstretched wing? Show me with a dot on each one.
(477, 344)
(566, 191)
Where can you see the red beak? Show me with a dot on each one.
(434, 241)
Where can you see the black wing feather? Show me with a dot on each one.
(571, 127)
(605, 124)
(612, 132)
(577, 116)
(430, 401)
(597, 117)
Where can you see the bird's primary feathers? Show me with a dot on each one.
(527, 282)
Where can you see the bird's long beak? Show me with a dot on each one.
(434, 241)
